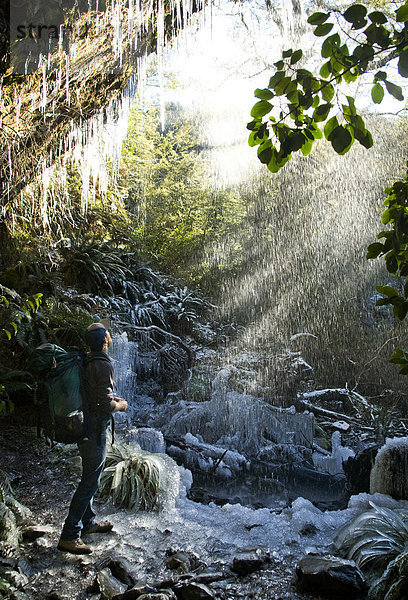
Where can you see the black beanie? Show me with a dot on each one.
(95, 336)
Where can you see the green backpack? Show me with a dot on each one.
(61, 408)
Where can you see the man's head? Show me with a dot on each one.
(97, 335)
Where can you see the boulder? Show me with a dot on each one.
(249, 560)
(357, 470)
(181, 561)
(194, 591)
(330, 577)
(108, 585)
(122, 570)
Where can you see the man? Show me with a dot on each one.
(100, 404)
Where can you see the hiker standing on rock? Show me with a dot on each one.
(100, 403)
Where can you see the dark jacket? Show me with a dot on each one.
(99, 384)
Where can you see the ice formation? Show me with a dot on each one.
(390, 471)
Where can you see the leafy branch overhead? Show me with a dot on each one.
(298, 107)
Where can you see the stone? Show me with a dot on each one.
(122, 569)
(138, 591)
(393, 584)
(249, 560)
(194, 591)
(357, 470)
(33, 532)
(108, 585)
(165, 595)
(330, 576)
(181, 561)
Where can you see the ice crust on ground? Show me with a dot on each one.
(216, 533)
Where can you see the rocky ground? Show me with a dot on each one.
(43, 479)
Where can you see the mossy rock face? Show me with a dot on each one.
(393, 584)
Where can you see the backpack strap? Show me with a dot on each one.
(88, 360)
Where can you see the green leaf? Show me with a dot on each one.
(328, 92)
(355, 14)
(8, 334)
(394, 90)
(253, 140)
(329, 45)
(364, 137)
(380, 76)
(253, 124)
(315, 131)
(322, 30)
(287, 53)
(263, 94)
(386, 290)
(349, 76)
(307, 147)
(330, 126)
(402, 13)
(296, 56)
(400, 310)
(391, 263)
(279, 65)
(276, 77)
(318, 18)
(296, 140)
(265, 154)
(403, 64)
(260, 109)
(378, 17)
(341, 139)
(281, 87)
(321, 112)
(377, 34)
(377, 93)
(374, 250)
(325, 70)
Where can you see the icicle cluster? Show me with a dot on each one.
(116, 37)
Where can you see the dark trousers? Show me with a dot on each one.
(81, 515)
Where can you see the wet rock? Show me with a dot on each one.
(357, 470)
(309, 529)
(393, 584)
(181, 561)
(108, 585)
(193, 591)
(164, 595)
(136, 592)
(249, 560)
(330, 576)
(122, 569)
(33, 532)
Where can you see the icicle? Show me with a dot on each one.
(44, 84)
(44, 196)
(18, 110)
(67, 95)
(10, 166)
(160, 53)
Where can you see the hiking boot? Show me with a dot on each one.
(74, 546)
(102, 527)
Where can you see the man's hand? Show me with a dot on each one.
(121, 405)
